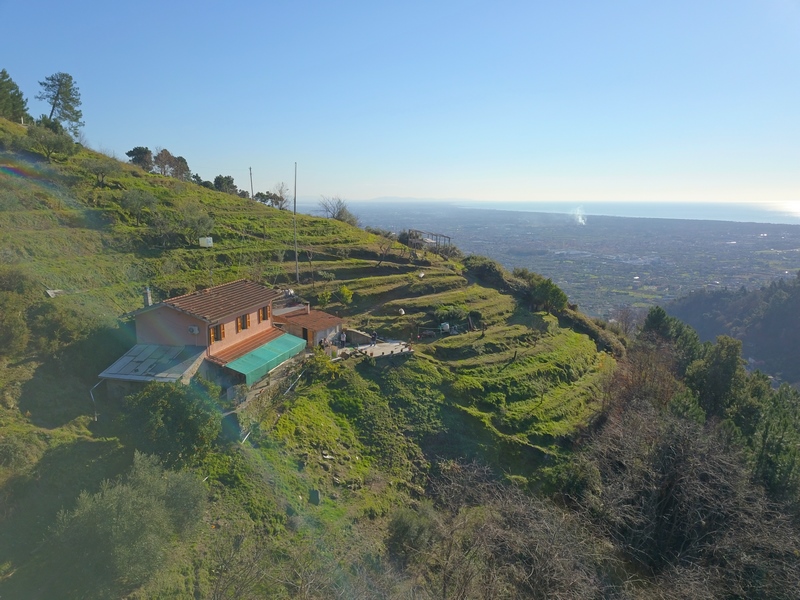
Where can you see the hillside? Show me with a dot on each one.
(533, 454)
(767, 320)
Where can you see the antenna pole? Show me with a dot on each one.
(296, 259)
(252, 196)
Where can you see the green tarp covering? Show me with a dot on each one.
(254, 365)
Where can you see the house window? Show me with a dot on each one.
(263, 314)
(217, 333)
(242, 323)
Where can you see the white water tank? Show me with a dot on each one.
(206, 242)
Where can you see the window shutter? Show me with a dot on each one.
(248, 320)
(211, 330)
(222, 332)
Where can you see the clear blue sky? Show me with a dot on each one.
(539, 101)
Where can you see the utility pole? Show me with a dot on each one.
(296, 259)
(252, 195)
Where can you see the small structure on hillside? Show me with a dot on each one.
(309, 324)
(225, 332)
(427, 240)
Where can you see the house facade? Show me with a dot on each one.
(225, 332)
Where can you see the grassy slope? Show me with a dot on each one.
(508, 394)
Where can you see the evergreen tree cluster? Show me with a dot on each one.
(13, 105)
(766, 320)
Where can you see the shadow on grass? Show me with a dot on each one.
(30, 505)
(58, 392)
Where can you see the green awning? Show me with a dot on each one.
(254, 365)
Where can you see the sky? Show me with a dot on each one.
(535, 101)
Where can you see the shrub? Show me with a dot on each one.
(120, 536)
(450, 312)
(179, 423)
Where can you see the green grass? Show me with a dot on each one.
(509, 394)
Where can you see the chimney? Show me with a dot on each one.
(148, 297)
(308, 308)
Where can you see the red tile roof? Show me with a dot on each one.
(216, 303)
(316, 320)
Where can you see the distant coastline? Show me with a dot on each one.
(708, 211)
(735, 212)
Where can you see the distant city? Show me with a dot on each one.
(607, 262)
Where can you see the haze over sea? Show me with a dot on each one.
(755, 212)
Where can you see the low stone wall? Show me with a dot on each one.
(357, 338)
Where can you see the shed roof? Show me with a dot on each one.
(215, 303)
(315, 320)
(152, 362)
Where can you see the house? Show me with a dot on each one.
(225, 332)
(309, 324)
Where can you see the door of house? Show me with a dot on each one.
(307, 336)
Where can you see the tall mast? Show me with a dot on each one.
(296, 260)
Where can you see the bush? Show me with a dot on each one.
(450, 313)
(345, 294)
(119, 537)
(179, 423)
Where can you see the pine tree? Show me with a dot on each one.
(61, 93)
(13, 105)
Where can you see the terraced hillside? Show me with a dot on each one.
(505, 385)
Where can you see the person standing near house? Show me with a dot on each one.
(374, 338)
(342, 339)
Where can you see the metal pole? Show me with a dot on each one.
(93, 400)
(296, 259)
(252, 195)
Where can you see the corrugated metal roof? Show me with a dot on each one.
(151, 362)
(215, 303)
(256, 364)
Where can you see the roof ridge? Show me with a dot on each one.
(213, 287)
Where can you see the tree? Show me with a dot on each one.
(49, 143)
(324, 298)
(263, 198)
(336, 208)
(196, 178)
(121, 535)
(13, 105)
(195, 222)
(163, 162)
(345, 294)
(162, 227)
(61, 93)
(777, 445)
(224, 183)
(280, 196)
(718, 379)
(136, 202)
(385, 243)
(142, 157)
(180, 169)
(177, 422)
(101, 167)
